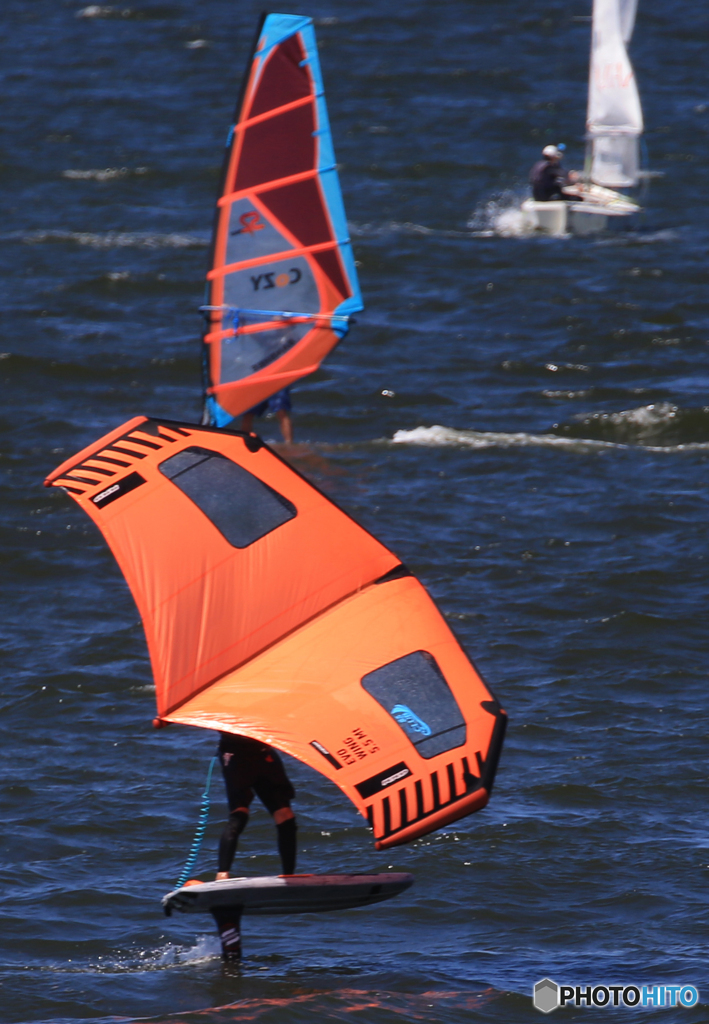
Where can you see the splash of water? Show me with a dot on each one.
(502, 215)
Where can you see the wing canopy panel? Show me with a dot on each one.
(277, 148)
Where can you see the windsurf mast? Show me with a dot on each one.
(280, 232)
(270, 613)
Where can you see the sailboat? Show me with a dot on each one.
(614, 124)
(282, 283)
(270, 613)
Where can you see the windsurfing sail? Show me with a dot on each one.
(282, 282)
(614, 120)
(270, 613)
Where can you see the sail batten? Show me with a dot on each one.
(280, 228)
(270, 613)
(258, 118)
(276, 257)
(276, 183)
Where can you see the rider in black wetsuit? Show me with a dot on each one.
(249, 768)
(548, 176)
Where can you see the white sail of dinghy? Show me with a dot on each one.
(614, 119)
(628, 9)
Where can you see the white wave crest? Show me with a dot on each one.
(103, 173)
(644, 417)
(391, 227)
(104, 11)
(394, 227)
(639, 238)
(438, 436)
(118, 239)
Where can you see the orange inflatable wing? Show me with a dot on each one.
(270, 613)
(282, 282)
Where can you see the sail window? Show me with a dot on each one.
(241, 506)
(415, 693)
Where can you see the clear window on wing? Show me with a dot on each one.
(415, 693)
(241, 506)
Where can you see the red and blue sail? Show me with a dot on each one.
(282, 283)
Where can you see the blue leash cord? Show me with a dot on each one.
(201, 827)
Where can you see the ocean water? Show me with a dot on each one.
(525, 421)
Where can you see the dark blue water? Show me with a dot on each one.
(541, 465)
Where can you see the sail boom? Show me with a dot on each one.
(282, 379)
(283, 314)
(317, 320)
(267, 325)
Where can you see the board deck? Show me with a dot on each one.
(603, 199)
(288, 894)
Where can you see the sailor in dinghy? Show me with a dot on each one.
(548, 178)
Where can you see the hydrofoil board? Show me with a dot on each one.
(287, 894)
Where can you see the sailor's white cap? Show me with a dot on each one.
(551, 152)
